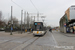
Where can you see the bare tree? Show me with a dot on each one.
(0, 15)
(15, 21)
(1, 22)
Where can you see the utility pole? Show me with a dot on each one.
(21, 19)
(11, 22)
(34, 18)
(24, 20)
(31, 21)
(27, 20)
(43, 18)
(29, 24)
(37, 16)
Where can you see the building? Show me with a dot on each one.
(67, 22)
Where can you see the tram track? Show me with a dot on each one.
(30, 43)
(26, 44)
(13, 39)
(10, 41)
(22, 43)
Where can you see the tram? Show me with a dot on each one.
(38, 28)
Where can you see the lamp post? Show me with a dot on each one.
(11, 22)
(21, 19)
(24, 21)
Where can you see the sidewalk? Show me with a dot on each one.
(68, 34)
(16, 34)
(64, 40)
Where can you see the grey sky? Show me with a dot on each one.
(52, 9)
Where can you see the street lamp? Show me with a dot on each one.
(43, 17)
(11, 22)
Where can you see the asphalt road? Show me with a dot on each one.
(26, 41)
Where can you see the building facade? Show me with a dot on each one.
(67, 22)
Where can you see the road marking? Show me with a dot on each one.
(54, 39)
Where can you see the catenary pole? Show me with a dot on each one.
(21, 19)
(11, 22)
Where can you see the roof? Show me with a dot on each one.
(73, 6)
(38, 21)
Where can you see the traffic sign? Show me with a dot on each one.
(65, 25)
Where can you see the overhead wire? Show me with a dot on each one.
(17, 4)
(22, 7)
(34, 5)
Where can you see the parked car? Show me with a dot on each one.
(2, 29)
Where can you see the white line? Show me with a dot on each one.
(54, 40)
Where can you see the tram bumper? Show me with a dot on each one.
(38, 33)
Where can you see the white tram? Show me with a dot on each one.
(38, 28)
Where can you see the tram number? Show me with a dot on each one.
(37, 32)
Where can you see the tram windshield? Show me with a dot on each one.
(38, 26)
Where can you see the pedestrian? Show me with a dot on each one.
(73, 30)
(50, 30)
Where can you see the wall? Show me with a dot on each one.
(72, 12)
(67, 12)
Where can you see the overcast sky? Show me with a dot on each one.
(52, 9)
